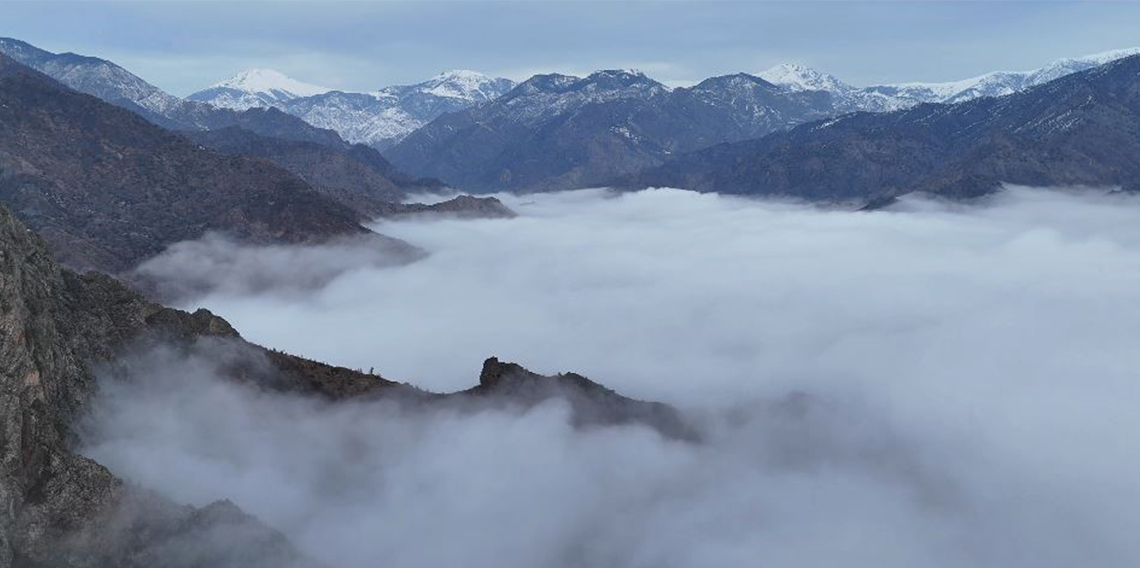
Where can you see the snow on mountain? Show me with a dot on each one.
(91, 75)
(269, 81)
(255, 88)
(887, 97)
(378, 119)
(795, 77)
(464, 85)
(543, 97)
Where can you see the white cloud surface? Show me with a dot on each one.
(972, 372)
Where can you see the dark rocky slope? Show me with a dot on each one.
(1080, 130)
(358, 177)
(60, 509)
(108, 189)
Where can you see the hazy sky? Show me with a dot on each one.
(184, 46)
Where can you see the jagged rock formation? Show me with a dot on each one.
(108, 189)
(591, 404)
(60, 509)
(1079, 130)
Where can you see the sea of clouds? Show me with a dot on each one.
(964, 382)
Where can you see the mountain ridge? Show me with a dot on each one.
(379, 118)
(1077, 130)
(560, 132)
(155, 187)
(896, 96)
(110, 82)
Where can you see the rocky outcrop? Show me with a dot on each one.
(591, 404)
(461, 207)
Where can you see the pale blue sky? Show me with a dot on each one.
(361, 45)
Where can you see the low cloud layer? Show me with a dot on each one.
(933, 385)
(218, 264)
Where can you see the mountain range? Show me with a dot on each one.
(898, 96)
(378, 119)
(108, 189)
(557, 132)
(1082, 129)
(480, 134)
(115, 85)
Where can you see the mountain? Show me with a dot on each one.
(108, 189)
(846, 98)
(897, 96)
(378, 119)
(357, 177)
(58, 329)
(1082, 129)
(254, 88)
(113, 84)
(558, 132)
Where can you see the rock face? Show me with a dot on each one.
(1079, 130)
(60, 509)
(108, 189)
(559, 132)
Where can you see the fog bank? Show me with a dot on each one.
(971, 372)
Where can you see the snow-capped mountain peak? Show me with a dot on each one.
(795, 77)
(268, 81)
(464, 84)
(255, 88)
